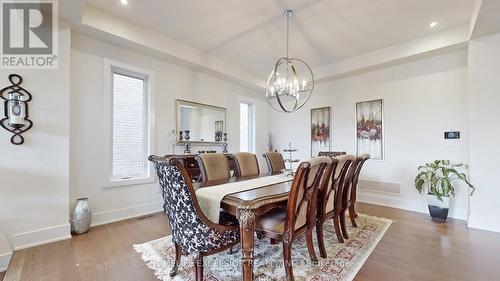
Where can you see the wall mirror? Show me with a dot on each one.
(206, 123)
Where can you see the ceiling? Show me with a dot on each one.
(251, 33)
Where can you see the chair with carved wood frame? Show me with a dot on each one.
(300, 215)
(246, 164)
(351, 201)
(192, 231)
(330, 198)
(274, 161)
(331, 154)
(213, 166)
(346, 194)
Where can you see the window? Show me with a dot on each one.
(128, 134)
(246, 127)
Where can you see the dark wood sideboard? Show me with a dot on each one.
(189, 161)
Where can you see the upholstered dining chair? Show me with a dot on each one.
(246, 164)
(192, 231)
(330, 198)
(346, 194)
(351, 201)
(275, 162)
(300, 215)
(213, 166)
(331, 154)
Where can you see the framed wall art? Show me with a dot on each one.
(370, 128)
(320, 130)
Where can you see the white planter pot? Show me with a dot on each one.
(433, 201)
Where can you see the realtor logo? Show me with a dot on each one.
(29, 35)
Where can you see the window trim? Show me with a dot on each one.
(111, 67)
(251, 125)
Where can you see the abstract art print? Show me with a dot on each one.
(369, 129)
(320, 130)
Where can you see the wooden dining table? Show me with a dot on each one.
(247, 206)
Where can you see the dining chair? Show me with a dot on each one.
(246, 164)
(192, 232)
(331, 153)
(275, 162)
(300, 215)
(213, 166)
(346, 194)
(330, 198)
(360, 160)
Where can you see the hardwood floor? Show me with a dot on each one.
(414, 248)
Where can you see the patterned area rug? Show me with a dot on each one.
(343, 261)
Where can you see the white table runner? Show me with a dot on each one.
(209, 198)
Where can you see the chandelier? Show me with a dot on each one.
(291, 81)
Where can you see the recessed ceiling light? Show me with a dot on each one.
(433, 24)
(124, 2)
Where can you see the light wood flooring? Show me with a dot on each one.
(414, 248)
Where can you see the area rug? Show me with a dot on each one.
(343, 261)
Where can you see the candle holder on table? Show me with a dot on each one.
(224, 145)
(187, 145)
(290, 150)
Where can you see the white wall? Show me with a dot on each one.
(422, 99)
(172, 81)
(484, 153)
(34, 187)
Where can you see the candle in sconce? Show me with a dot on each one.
(16, 111)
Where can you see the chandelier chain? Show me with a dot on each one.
(287, 33)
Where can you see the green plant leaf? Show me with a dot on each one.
(419, 184)
(446, 187)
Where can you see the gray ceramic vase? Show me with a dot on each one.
(81, 216)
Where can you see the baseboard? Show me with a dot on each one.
(62, 232)
(41, 236)
(4, 261)
(126, 213)
(488, 223)
(388, 200)
(394, 201)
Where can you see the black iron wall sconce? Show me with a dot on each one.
(16, 100)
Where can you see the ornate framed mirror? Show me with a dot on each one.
(205, 123)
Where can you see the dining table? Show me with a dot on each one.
(247, 206)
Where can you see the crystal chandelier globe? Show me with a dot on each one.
(291, 81)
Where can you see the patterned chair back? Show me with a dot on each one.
(191, 229)
(331, 154)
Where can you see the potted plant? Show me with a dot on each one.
(439, 179)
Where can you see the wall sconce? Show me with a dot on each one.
(16, 109)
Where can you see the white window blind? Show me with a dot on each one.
(129, 125)
(246, 127)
